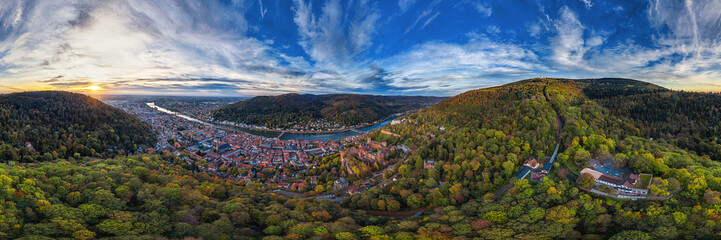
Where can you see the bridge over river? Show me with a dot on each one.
(358, 131)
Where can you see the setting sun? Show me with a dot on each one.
(93, 88)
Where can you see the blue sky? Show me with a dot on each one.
(404, 47)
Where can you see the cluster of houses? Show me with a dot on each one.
(429, 164)
(343, 184)
(262, 159)
(298, 186)
(223, 148)
(340, 183)
(230, 149)
(536, 168)
(313, 126)
(624, 184)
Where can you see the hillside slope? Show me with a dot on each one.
(345, 109)
(469, 149)
(60, 124)
(688, 120)
(145, 197)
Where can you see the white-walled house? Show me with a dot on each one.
(626, 186)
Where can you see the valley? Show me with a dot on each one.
(360, 120)
(538, 158)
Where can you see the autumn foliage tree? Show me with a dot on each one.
(586, 181)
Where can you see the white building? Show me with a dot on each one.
(625, 186)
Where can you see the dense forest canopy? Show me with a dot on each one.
(689, 120)
(62, 124)
(145, 197)
(345, 109)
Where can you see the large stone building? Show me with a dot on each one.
(340, 183)
(629, 185)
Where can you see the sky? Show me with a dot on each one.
(387, 47)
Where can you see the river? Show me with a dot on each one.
(332, 136)
(272, 134)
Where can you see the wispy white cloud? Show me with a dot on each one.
(588, 3)
(426, 16)
(430, 19)
(327, 40)
(493, 29)
(534, 29)
(337, 49)
(446, 68)
(484, 10)
(262, 11)
(694, 28)
(685, 50)
(569, 45)
(405, 4)
(577, 48)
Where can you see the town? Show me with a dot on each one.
(229, 153)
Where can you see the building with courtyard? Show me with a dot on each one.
(632, 184)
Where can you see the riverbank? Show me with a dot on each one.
(284, 130)
(286, 135)
(340, 130)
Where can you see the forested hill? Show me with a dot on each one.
(469, 149)
(62, 124)
(345, 109)
(689, 120)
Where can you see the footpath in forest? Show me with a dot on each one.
(525, 170)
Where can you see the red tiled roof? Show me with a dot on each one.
(532, 162)
(633, 178)
(611, 179)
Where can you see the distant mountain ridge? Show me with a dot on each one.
(689, 120)
(345, 109)
(52, 124)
